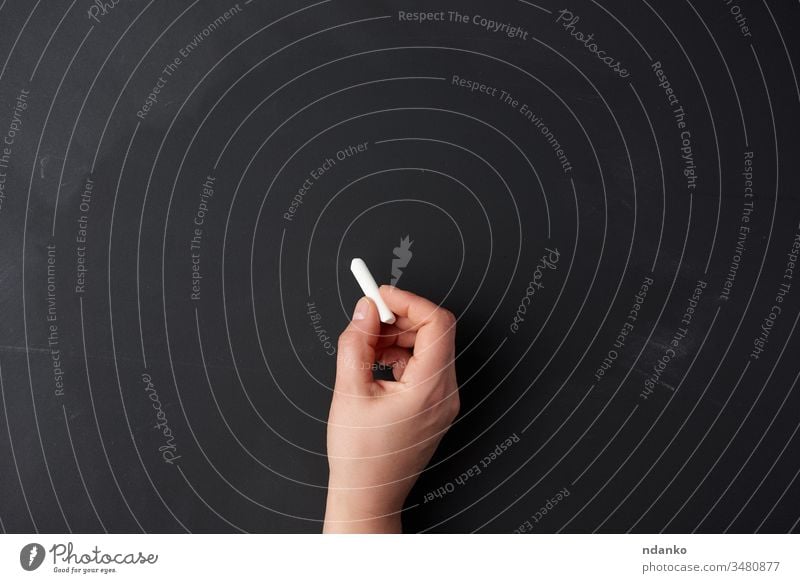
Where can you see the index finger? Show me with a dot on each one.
(435, 339)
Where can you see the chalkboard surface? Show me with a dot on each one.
(605, 194)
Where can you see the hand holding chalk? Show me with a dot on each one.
(382, 433)
(370, 289)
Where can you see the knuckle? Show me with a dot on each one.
(446, 317)
(454, 406)
(348, 340)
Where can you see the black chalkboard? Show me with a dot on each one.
(605, 194)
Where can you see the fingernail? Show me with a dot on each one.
(361, 309)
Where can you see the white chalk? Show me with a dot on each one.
(370, 289)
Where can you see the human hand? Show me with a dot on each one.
(382, 434)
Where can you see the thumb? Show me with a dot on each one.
(357, 349)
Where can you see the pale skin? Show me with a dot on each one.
(382, 434)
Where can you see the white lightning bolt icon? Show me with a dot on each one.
(34, 552)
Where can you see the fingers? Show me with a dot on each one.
(434, 343)
(397, 358)
(422, 325)
(391, 335)
(357, 349)
(410, 309)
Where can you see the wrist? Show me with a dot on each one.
(350, 511)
